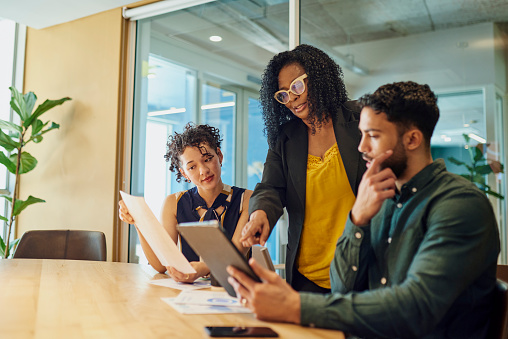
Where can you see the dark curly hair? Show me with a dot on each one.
(406, 104)
(192, 136)
(325, 86)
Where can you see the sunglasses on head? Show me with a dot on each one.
(297, 87)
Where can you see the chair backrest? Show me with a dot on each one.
(62, 244)
(498, 328)
(502, 272)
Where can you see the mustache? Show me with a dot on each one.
(366, 157)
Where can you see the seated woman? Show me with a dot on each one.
(195, 155)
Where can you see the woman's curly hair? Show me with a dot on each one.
(192, 136)
(325, 89)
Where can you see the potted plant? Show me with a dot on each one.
(479, 167)
(30, 128)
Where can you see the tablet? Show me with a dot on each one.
(218, 252)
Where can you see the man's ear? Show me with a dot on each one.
(413, 139)
(220, 155)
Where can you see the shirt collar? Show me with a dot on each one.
(424, 177)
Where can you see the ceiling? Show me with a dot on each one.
(439, 42)
(44, 13)
(364, 36)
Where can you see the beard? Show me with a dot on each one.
(397, 162)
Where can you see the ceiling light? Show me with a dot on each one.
(172, 110)
(215, 38)
(477, 138)
(160, 7)
(219, 105)
(447, 139)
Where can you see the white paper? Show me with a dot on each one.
(196, 285)
(207, 298)
(159, 240)
(201, 309)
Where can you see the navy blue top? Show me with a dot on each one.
(190, 202)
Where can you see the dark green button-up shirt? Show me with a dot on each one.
(425, 267)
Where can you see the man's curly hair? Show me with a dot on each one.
(192, 136)
(325, 89)
(406, 104)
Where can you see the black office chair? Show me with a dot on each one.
(499, 320)
(62, 244)
(502, 272)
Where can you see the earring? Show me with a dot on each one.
(187, 180)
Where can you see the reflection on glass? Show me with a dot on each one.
(218, 108)
(256, 155)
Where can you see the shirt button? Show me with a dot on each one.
(354, 268)
(383, 281)
(389, 240)
(414, 189)
(358, 235)
(399, 205)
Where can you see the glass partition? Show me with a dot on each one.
(224, 47)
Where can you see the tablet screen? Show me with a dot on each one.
(218, 252)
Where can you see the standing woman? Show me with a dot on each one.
(196, 157)
(313, 167)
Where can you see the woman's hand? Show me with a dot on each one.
(124, 213)
(257, 230)
(201, 271)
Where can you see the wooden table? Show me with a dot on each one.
(91, 299)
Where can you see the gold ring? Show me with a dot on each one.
(188, 276)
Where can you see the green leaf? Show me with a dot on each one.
(484, 169)
(29, 100)
(7, 142)
(2, 247)
(3, 218)
(479, 179)
(10, 126)
(456, 162)
(11, 167)
(466, 176)
(20, 205)
(466, 137)
(17, 103)
(38, 138)
(43, 108)
(495, 194)
(53, 126)
(37, 126)
(478, 154)
(27, 163)
(6, 197)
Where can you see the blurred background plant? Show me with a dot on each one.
(30, 128)
(479, 167)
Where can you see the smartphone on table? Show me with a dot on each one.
(240, 331)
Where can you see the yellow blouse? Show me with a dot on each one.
(328, 200)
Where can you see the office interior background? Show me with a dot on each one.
(138, 73)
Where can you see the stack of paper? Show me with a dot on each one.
(196, 285)
(205, 302)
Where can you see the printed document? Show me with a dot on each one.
(159, 240)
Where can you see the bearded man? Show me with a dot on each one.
(419, 252)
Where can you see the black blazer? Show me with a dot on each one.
(285, 173)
